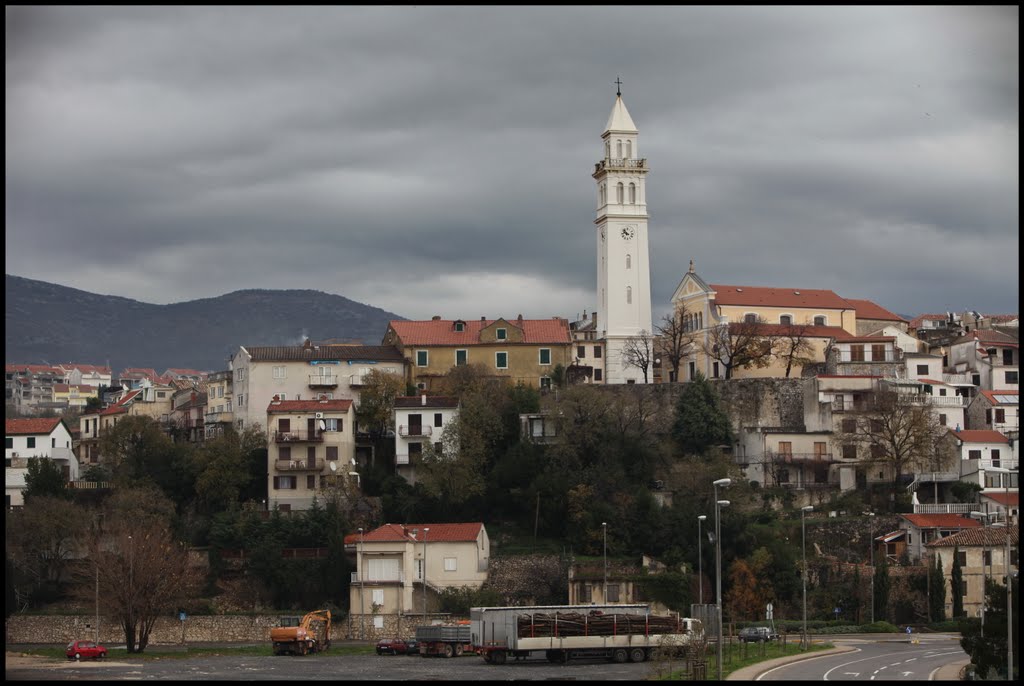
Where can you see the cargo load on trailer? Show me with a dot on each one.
(448, 640)
(616, 632)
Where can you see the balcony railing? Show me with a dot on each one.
(356, 380)
(870, 356)
(937, 400)
(298, 436)
(405, 431)
(944, 508)
(307, 465)
(218, 417)
(620, 163)
(790, 458)
(958, 379)
(318, 381)
(395, 578)
(838, 405)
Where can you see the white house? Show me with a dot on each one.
(990, 358)
(47, 438)
(420, 419)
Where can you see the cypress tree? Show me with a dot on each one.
(957, 578)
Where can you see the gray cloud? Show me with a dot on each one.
(437, 160)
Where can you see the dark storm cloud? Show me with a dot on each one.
(437, 160)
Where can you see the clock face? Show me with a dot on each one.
(628, 232)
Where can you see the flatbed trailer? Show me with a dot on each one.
(615, 632)
(446, 640)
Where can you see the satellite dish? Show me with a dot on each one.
(334, 466)
(323, 425)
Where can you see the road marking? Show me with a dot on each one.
(852, 673)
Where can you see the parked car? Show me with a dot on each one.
(397, 646)
(757, 634)
(79, 650)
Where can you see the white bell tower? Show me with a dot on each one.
(623, 260)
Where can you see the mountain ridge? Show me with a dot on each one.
(47, 323)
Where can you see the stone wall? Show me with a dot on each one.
(62, 629)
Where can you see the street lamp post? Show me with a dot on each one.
(700, 560)
(871, 545)
(604, 589)
(425, 530)
(718, 565)
(803, 527)
(362, 589)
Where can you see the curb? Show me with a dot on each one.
(753, 671)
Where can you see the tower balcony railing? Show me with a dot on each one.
(619, 163)
(405, 431)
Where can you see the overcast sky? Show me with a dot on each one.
(438, 160)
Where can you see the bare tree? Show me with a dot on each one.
(637, 352)
(739, 345)
(900, 432)
(675, 339)
(141, 571)
(793, 345)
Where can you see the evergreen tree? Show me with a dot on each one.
(936, 591)
(700, 422)
(44, 477)
(882, 590)
(956, 587)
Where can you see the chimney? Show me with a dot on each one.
(423, 399)
(483, 320)
(519, 321)
(436, 318)
(307, 345)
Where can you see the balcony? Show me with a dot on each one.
(407, 431)
(395, 578)
(323, 381)
(619, 163)
(795, 458)
(298, 437)
(936, 400)
(356, 381)
(307, 465)
(958, 379)
(839, 406)
(218, 417)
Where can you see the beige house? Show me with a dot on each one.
(821, 317)
(520, 350)
(219, 404)
(982, 554)
(147, 401)
(400, 569)
(309, 443)
(302, 372)
(587, 583)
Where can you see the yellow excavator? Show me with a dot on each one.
(311, 635)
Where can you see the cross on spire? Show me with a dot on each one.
(618, 84)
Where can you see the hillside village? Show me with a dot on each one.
(576, 429)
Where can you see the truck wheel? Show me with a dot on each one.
(449, 651)
(620, 655)
(459, 650)
(637, 655)
(498, 657)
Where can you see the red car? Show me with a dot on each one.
(78, 650)
(397, 646)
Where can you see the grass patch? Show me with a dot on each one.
(735, 656)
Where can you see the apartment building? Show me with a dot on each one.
(86, 374)
(219, 396)
(302, 372)
(308, 441)
(29, 387)
(519, 350)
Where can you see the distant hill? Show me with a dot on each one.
(47, 323)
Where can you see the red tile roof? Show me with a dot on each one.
(991, 395)
(979, 436)
(779, 297)
(34, 369)
(989, 336)
(442, 331)
(1003, 498)
(24, 427)
(336, 405)
(869, 310)
(988, 535)
(85, 368)
(945, 521)
(122, 404)
(808, 331)
(374, 353)
(449, 532)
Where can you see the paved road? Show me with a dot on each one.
(324, 667)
